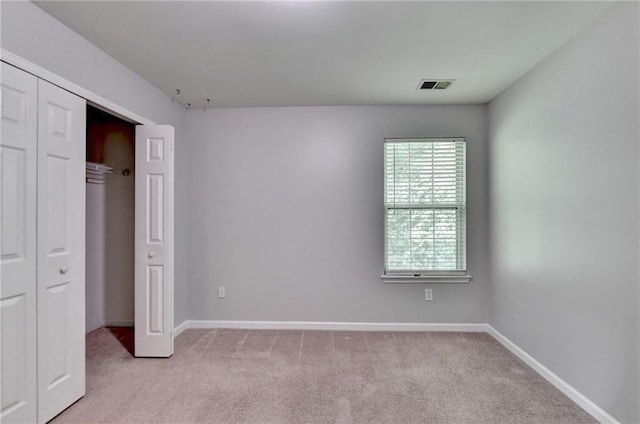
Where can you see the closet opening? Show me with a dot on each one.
(110, 225)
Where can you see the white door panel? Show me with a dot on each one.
(61, 258)
(154, 241)
(18, 155)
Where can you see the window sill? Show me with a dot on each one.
(425, 279)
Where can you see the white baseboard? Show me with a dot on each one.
(118, 323)
(335, 326)
(93, 326)
(594, 410)
(581, 400)
(180, 328)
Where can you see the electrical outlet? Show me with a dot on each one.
(221, 293)
(428, 295)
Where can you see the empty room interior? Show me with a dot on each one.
(320, 212)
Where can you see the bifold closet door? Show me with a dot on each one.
(18, 156)
(154, 241)
(61, 249)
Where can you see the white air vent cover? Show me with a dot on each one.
(435, 84)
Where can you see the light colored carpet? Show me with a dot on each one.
(296, 377)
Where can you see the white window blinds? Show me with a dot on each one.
(425, 205)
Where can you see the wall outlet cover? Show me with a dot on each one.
(428, 295)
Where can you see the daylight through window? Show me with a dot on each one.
(425, 205)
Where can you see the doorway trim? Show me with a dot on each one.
(94, 100)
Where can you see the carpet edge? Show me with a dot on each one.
(571, 392)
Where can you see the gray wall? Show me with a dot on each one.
(564, 212)
(283, 207)
(95, 252)
(34, 35)
(286, 213)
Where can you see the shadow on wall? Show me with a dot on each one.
(110, 141)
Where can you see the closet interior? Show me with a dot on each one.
(110, 219)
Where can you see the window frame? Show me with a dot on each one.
(426, 276)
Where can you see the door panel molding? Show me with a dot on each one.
(18, 161)
(154, 241)
(61, 249)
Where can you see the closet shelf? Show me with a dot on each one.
(99, 167)
(97, 172)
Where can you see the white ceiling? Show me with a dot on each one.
(309, 53)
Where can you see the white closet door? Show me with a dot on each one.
(18, 155)
(154, 241)
(61, 249)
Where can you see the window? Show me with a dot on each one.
(425, 210)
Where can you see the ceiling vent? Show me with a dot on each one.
(433, 84)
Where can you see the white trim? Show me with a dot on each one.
(118, 323)
(581, 400)
(89, 328)
(180, 328)
(425, 279)
(337, 326)
(101, 102)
